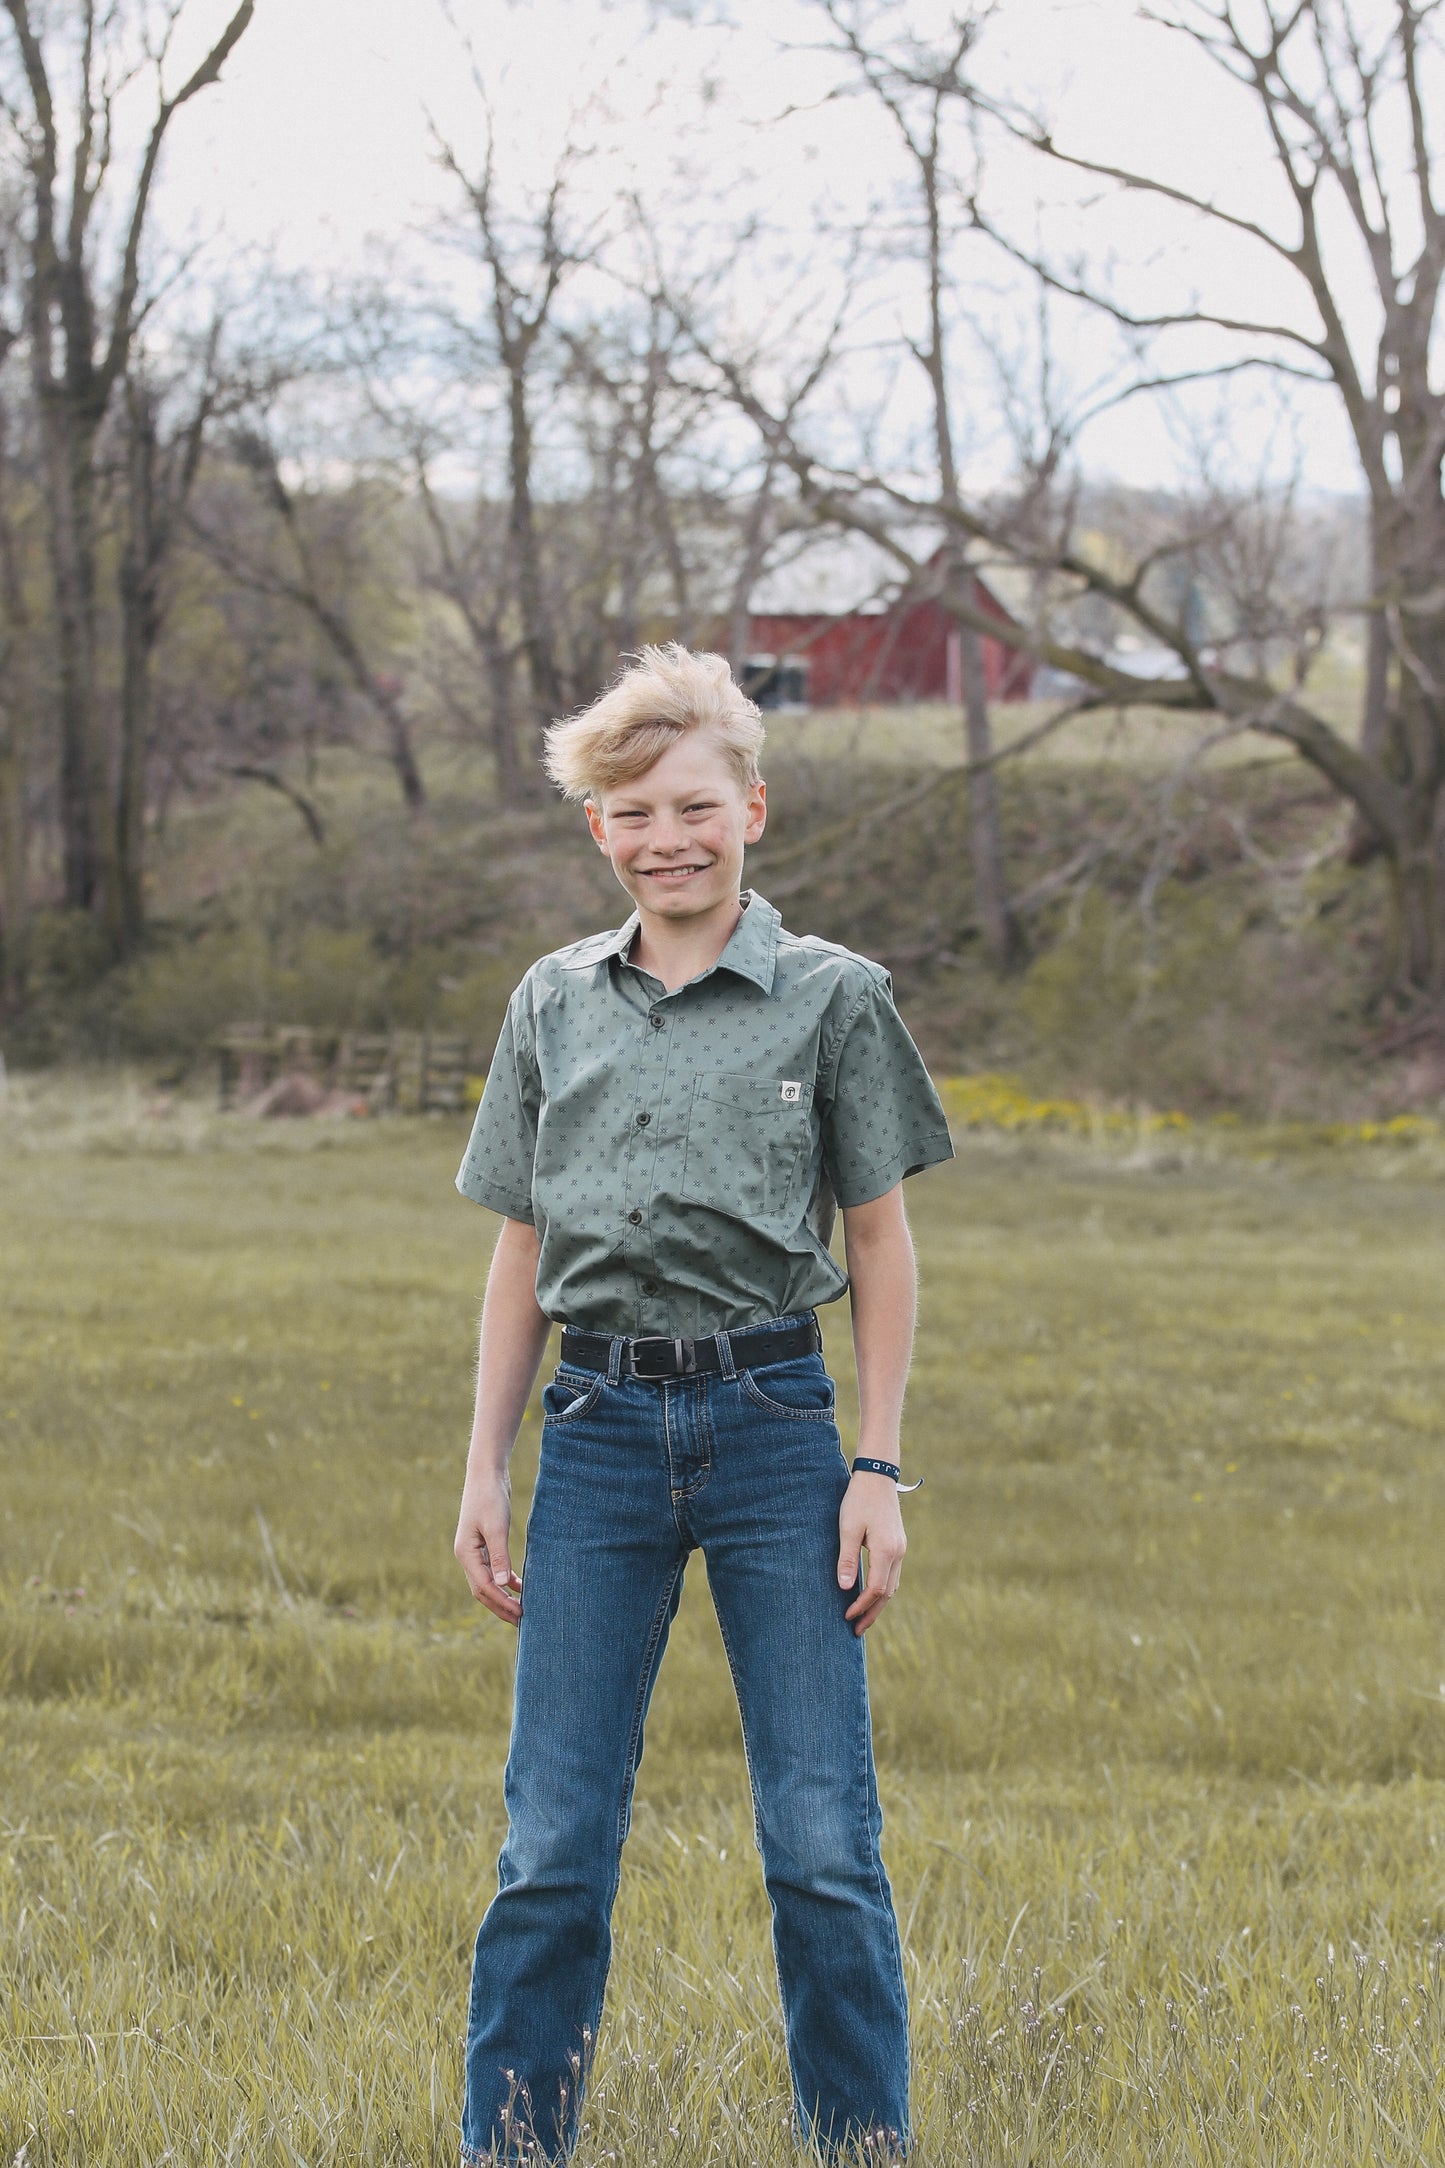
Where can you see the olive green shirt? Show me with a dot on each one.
(680, 1154)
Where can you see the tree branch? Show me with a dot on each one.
(122, 327)
(253, 772)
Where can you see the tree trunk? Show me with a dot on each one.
(86, 833)
(1419, 894)
(17, 725)
(14, 839)
(1417, 856)
(140, 617)
(135, 707)
(627, 591)
(526, 556)
(400, 752)
(751, 558)
(1364, 840)
(1001, 932)
(1417, 757)
(514, 785)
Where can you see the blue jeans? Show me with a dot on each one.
(634, 1476)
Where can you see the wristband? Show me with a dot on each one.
(864, 1465)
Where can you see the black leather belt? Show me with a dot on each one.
(659, 1358)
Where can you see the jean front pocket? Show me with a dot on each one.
(568, 1395)
(800, 1391)
(745, 1138)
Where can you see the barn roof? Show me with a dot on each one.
(829, 574)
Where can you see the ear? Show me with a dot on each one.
(595, 823)
(757, 819)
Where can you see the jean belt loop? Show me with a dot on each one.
(725, 1354)
(614, 1359)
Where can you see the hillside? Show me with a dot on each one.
(1210, 948)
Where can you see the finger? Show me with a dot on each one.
(469, 1556)
(498, 1558)
(869, 1610)
(875, 1593)
(848, 1565)
(502, 1603)
(502, 1590)
(501, 1593)
(866, 1602)
(489, 1573)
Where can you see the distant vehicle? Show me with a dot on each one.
(777, 683)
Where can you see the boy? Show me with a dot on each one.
(670, 1115)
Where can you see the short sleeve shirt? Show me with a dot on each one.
(681, 1154)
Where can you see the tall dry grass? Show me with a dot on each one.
(1160, 1716)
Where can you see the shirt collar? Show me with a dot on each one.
(751, 951)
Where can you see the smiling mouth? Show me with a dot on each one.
(670, 873)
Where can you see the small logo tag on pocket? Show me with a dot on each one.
(790, 1094)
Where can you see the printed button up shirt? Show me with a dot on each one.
(681, 1154)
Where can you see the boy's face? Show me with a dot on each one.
(676, 835)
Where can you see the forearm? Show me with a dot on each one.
(884, 1282)
(513, 1336)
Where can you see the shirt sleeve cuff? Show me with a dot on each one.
(495, 1198)
(876, 1181)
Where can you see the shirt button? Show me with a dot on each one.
(636, 1218)
(649, 1287)
(656, 1021)
(643, 1120)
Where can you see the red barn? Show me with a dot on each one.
(870, 651)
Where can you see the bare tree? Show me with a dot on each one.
(82, 317)
(244, 687)
(1346, 113)
(466, 563)
(916, 90)
(320, 577)
(160, 469)
(1346, 96)
(637, 412)
(18, 691)
(525, 262)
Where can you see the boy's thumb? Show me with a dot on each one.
(847, 1569)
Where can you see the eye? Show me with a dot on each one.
(702, 805)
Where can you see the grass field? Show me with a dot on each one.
(1160, 1712)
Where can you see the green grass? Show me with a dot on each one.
(1160, 1713)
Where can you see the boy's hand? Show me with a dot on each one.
(870, 1517)
(481, 1545)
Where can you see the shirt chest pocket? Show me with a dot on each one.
(747, 1136)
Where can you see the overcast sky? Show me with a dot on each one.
(318, 143)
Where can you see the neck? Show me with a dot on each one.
(676, 950)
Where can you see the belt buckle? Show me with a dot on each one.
(684, 1358)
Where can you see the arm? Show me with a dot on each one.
(884, 1280)
(514, 1333)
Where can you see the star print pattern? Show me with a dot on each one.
(682, 1154)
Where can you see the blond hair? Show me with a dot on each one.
(661, 695)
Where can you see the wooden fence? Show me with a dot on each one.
(400, 1072)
